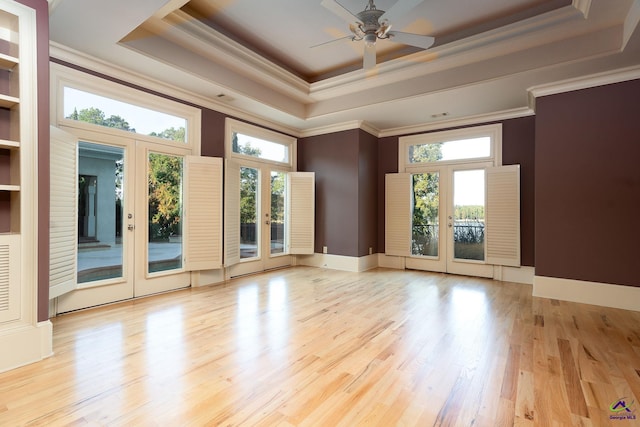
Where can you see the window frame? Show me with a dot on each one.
(494, 132)
(62, 76)
(235, 126)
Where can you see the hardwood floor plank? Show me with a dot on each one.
(313, 347)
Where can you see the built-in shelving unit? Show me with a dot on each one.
(21, 335)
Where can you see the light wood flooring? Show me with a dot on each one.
(313, 347)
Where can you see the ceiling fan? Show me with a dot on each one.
(368, 27)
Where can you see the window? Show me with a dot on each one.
(87, 102)
(477, 144)
(100, 110)
(461, 149)
(244, 141)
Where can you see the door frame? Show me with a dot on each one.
(135, 281)
(445, 262)
(264, 259)
(146, 283)
(100, 292)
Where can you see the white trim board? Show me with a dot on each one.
(602, 294)
(28, 344)
(339, 262)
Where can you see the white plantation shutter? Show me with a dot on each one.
(203, 185)
(231, 213)
(398, 214)
(9, 277)
(63, 216)
(301, 212)
(503, 215)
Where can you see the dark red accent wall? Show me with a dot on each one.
(334, 159)
(345, 164)
(212, 133)
(518, 148)
(387, 163)
(588, 184)
(367, 194)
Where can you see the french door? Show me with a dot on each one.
(262, 192)
(448, 219)
(129, 220)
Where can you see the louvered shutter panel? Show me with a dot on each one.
(203, 184)
(231, 213)
(9, 277)
(301, 212)
(398, 214)
(63, 216)
(503, 215)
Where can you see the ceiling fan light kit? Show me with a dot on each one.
(368, 27)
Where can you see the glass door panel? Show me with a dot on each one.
(249, 212)
(273, 201)
(164, 249)
(159, 254)
(425, 218)
(468, 220)
(278, 191)
(100, 200)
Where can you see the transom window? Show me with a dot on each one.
(258, 144)
(260, 148)
(100, 110)
(481, 143)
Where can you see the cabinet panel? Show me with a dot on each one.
(9, 277)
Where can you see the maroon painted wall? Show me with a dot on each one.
(518, 148)
(212, 133)
(387, 163)
(518, 142)
(334, 158)
(367, 194)
(588, 184)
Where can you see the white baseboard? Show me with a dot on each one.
(25, 344)
(338, 262)
(207, 277)
(388, 261)
(607, 295)
(523, 275)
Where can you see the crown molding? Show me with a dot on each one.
(66, 54)
(460, 122)
(584, 82)
(221, 48)
(631, 22)
(583, 6)
(340, 127)
(53, 4)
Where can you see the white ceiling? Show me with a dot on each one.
(255, 58)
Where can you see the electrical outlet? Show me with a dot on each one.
(324, 249)
(370, 250)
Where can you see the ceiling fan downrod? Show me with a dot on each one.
(371, 29)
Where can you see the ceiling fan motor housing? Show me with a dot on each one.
(370, 24)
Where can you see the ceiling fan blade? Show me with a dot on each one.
(339, 10)
(411, 39)
(341, 39)
(400, 9)
(369, 59)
